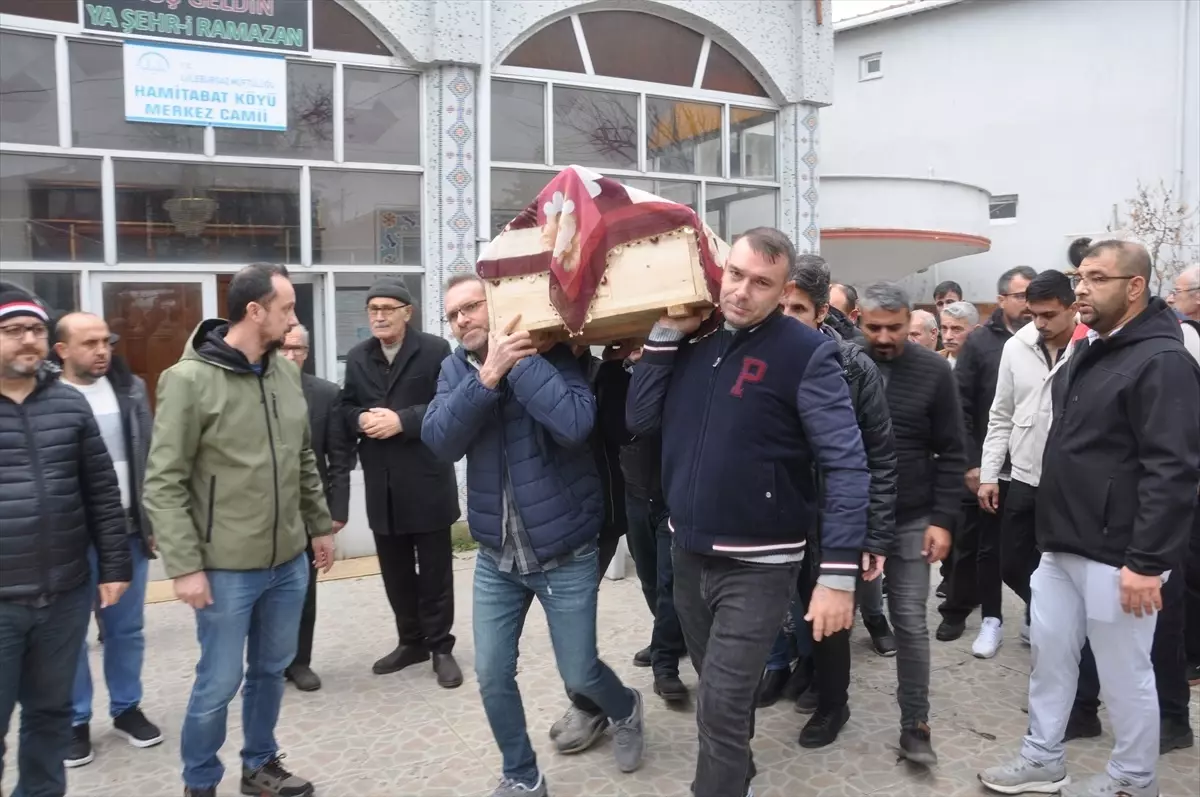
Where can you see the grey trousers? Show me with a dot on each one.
(1076, 598)
(908, 596)
(730, 612)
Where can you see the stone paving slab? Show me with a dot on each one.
(400, 735)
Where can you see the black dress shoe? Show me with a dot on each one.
(1082, 725)
(823, 728)
(807, 703)
(881, 635)
(1174, 734)
(403, 656)
(948, 631)
(770, 687)
(941, 589)
(800, 680)
(643, 658)
(449, 675)
(1193, 673)
(303, 677)
(670, 688)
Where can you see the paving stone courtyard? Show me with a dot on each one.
(400, 735)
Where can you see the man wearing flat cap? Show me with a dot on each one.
(412, 497)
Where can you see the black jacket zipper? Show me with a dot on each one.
(274, 466)
(722, 351)
(39, 481)
(212, 505)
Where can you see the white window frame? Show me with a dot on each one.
(550, 78)
(864, 62)
(1004, 199)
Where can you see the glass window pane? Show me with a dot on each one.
(57, 10)
(683, 137)
(725, 73)
(199, 213)
(50, 209)
(512, 191)
(673, 190)
(518, 121)
(310, 120)
(98, 106)
(595, 128)
(637, 46)
(752, 144)
(58, 290)
(350, 308)
(552, 47)
(366, 218)
(383, 116)
(335, 28)
(730, 210)
(27, 92)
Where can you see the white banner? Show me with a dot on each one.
(167, 84)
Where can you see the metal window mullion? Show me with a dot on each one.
(306, 231)
(702, 63)
(62, 89)
(642, 154)
(210, 141)
(726, 143)
(108, 209)
(339, 113)
(584, 53)
(549, 111)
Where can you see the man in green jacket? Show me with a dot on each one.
(233, 491)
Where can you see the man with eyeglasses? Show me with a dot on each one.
(60, 497)
(412, 496)
(334, 450)
(1114, 512)
(975, 572)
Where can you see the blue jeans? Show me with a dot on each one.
(568, 597)
(255, 614)
(38, 650)
(124, 644)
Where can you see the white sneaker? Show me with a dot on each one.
(991, 635)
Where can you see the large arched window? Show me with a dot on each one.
(642, 99)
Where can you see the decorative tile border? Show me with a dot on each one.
(807, 143)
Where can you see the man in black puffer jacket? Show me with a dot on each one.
(828, 696)
(60, 496)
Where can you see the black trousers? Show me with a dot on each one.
(975, 578)
(649, 541)
(1019, 555)
(308, 616)
(1167, 656)
(1191, 578)
(422, 598)
(831, 656)
(610, 538)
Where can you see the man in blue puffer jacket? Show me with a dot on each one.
(534, 504)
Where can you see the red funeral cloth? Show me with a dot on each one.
(580, 216)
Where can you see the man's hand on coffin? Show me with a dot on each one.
(505, 349)
(686, 324)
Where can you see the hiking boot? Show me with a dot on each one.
(881, 635)
(807, 702)
(1174, 734)
(403, 656)
(133, 725)
(770, 687)
(823, 728)
(643, 658)
(303, 677)
(193, 791)
(512, 788)
(948, 631)
(629, 737)
(1021, 775)
(79, 752)
(989, 640)
(577, 730)
(449, 675)
(1105, 785)
(1082, 725)
(917, 746)
(670, 688)
(272, 780)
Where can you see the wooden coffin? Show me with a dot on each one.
(643, 279)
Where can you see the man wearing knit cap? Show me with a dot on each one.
(412, 498)
(60, 498)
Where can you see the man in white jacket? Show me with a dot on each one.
(1020, 421)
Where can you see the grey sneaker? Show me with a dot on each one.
(577, 730)
(1105, 785)
(629, 737)
(1021, 775)
(512, 788)
(273, 780)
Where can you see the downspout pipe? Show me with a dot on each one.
(1181, 103)
(483, 136)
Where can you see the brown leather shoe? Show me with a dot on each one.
(449, 676)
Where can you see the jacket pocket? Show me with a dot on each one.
(212, 506)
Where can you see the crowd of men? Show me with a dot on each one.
(804, 450)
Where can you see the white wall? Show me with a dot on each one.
(1067, 104)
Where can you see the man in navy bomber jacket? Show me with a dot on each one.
(749, 408)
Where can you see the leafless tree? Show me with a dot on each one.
(1166, 226)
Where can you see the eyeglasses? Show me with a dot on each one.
(384, 309)
(465, 310)
(295, 348)
(1020, 297)
(1096, 280)
(1177, 291)
(17, 332)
